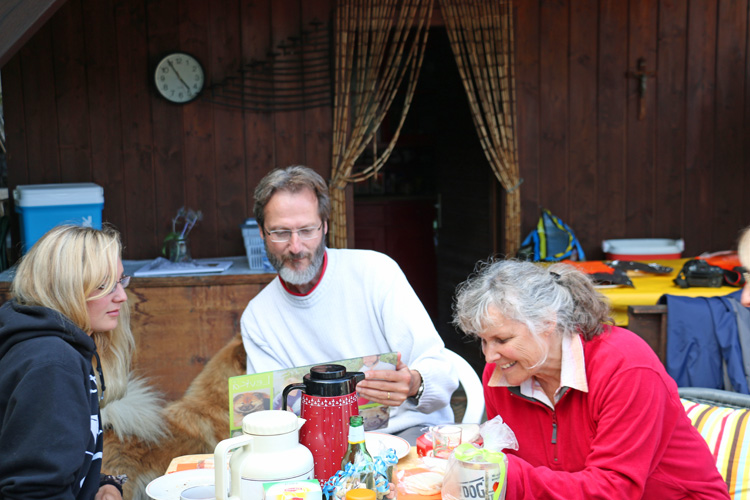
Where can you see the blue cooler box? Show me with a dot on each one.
(44, 206)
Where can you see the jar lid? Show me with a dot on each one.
(360, 494)
(269, 422)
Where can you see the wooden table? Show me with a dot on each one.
(649, 287)
(188, 462)
(180, 322)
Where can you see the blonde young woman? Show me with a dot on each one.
(69, 305)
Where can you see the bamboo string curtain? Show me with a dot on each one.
(481, 36)
(378, 44)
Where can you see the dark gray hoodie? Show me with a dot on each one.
(50, 431)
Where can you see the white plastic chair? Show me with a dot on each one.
(472, 385)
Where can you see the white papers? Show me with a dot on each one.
(163, 267)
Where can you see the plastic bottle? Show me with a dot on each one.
(356, 452)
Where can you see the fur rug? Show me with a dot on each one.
(143, 435)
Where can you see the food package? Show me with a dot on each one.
(298, 490)
(480, 473)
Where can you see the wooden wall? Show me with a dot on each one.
(682, 170)
(80, 106)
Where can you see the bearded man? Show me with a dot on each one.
(333, 304)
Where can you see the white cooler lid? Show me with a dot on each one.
(643, 246)
(46, 195)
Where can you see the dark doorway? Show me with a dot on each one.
(433, 207)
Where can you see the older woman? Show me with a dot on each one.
(67, 290)
(594, 411)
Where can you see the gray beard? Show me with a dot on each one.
(292, 276)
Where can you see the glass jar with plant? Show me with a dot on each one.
(176, 244)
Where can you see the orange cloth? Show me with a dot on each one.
(590, 266)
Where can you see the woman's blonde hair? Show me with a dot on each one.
(66, 268)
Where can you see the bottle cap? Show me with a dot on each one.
(360, 494)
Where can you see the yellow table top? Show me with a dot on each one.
(649, 287)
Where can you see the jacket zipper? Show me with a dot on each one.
(554, 435)
(515, 392)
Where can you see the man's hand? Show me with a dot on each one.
(108, 492)
(390, 387)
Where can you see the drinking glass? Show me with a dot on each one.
(444, 439)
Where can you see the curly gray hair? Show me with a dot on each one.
(533, 294)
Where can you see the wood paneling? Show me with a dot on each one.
(582, 115)
(167, 120)
(553, 104)
(670, 127)
(141, 230)
(259, 150)
(105, 118)
(79, 106)
(610, 194)
(38, 80)
(527, 108)
(641, 138)
(71, 93)
(732, 18)
(199, 171)
(698, 198)
(677, 173)
(177, 329)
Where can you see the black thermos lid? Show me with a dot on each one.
(331, 380)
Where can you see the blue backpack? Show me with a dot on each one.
(551, 241)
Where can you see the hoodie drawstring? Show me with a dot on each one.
(101, 374)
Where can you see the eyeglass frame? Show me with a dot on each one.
(124, 281)
(275, 232)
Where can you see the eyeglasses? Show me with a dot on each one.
(284, 235)
(124, 281)
(745, 273)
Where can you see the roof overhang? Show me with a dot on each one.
(19, 20)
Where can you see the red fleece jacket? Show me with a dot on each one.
(628, 437)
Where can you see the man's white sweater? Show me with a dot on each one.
(362, 305)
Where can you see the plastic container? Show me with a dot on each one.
(256, 252)
(643, 249)
(44, 206)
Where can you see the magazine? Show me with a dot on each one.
(263, 391)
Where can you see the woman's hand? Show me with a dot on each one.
(108, 492)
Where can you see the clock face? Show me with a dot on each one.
(179, 77)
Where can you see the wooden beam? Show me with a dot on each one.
(19, 20)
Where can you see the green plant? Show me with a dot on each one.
(186, 217)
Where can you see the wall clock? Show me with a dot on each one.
(179, 77)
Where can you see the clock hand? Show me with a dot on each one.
(179, 77)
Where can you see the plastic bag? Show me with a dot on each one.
(381, 470)
(480, 473)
